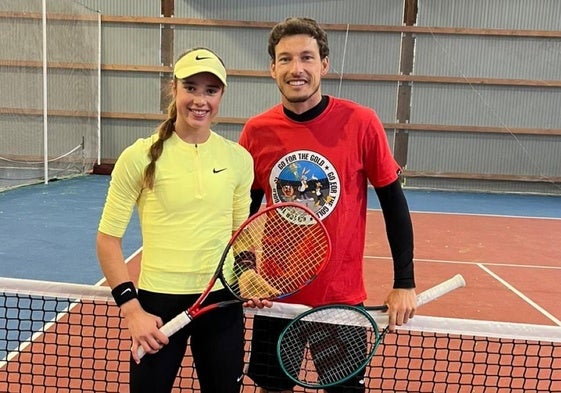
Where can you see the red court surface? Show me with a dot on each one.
(512, 265)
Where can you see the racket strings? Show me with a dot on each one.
(278, 253)
(328, 345)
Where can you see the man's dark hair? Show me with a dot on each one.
(294, 26)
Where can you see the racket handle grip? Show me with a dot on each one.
(441, 289)
(178, 322)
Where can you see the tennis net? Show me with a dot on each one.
(60, 337)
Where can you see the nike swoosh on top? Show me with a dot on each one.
(125, 291)
(201, 57)
(214, 170)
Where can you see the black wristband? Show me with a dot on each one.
(124, 292)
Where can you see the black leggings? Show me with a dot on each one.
(216, 339)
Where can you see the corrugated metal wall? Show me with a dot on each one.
(128, 92)
(490, 105)
(497, 14)
(246, 49)
(381, 12)
(378, 53)
(242, 49)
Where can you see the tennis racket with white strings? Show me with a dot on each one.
(328, 345)
(275, 253)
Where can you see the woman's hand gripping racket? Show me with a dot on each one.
(326, 346)
(274, 253)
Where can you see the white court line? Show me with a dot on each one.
(521, 295)
(496, 277)
(483, 265)
(133, 255)
(46, 326)
(487, 215)
(472, 263)
(474, 214)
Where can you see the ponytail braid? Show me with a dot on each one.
(165, 131)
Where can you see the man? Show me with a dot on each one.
(322, 151)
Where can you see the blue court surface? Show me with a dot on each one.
(480, 203)
(47, 232)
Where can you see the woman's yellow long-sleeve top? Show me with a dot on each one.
(201, 194)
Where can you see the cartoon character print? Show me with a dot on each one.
(288, 191)
(319, 198)
(303, 188)
(308, 178)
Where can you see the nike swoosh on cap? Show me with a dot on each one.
(214, 170)
(202, 57)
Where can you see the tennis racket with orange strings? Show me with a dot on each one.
(274, 254)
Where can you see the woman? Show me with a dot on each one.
(192, 190)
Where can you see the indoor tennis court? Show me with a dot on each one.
(506, 258)
(468, 94)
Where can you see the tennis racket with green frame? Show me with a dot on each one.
(326, 346)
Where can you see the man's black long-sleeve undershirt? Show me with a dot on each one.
(399, 231)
